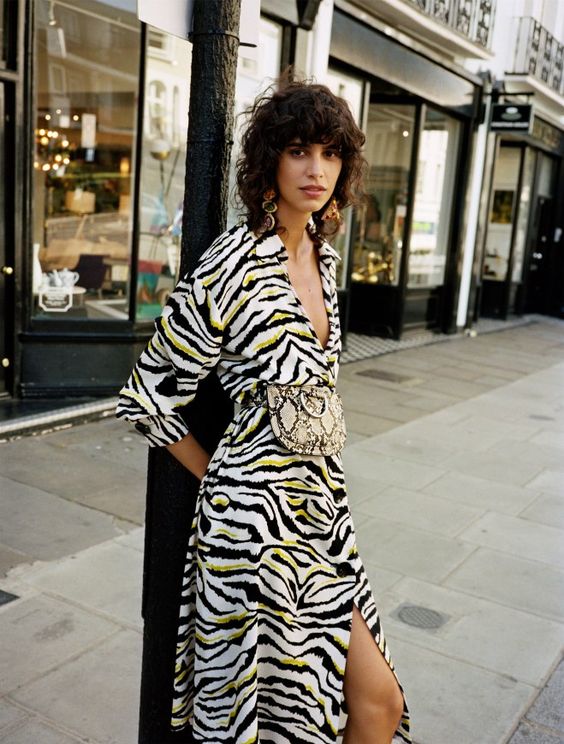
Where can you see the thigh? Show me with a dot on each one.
(368, 677)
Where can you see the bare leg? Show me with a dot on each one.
(374, 699)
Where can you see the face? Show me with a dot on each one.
(307, 176)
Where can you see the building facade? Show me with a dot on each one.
(458, 221)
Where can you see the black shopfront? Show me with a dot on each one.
(523, 254)
(404, 247)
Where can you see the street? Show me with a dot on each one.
(455, 477)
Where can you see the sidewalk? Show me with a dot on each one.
(456, 481)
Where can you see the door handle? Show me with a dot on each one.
(7, 270)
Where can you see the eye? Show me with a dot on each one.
(296, 151)
(333, 152)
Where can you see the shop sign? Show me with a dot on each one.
(548, 135)
(175, 17)
(509, 117)
(56, 299)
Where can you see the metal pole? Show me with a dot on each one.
(171, 489)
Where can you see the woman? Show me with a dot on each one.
(278, 629)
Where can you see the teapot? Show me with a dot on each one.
(55, 278)
(68, 278)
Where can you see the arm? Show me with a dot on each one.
(185, 347)
(190, 453)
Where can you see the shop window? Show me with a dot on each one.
(352, 90)
(378, 245)
(164, 154)
(257, 68)
(523, 215)
(162, 170)
(86, 74)
(502, 211)
(430, 229)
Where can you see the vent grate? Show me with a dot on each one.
(419, 616)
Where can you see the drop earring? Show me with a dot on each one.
(269, 206)
(332, 212)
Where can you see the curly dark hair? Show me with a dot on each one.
(311, 113)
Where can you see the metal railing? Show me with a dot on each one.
(471, 18)
(539, 54)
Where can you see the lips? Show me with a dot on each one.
(313, 191)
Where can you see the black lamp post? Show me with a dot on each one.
(171, 490)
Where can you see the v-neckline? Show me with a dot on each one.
(304, 312)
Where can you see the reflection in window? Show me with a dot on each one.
(523, 216)
(163, 158)
(433, 200)
(351, 89)
(86, 71)
(500, 225)
(164, 152)
(378, 245)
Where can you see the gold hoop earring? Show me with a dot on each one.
(269, 207)
(332, 212)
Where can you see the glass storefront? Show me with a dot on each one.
(87, 61)
(163, 161)
(502, 212)
(377, 249)
(523, 215)
(87, 73)
(430, 228)
(352, 90)
(165, 125)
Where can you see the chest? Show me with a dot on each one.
(307, 285)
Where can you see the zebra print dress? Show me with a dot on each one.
(272, 568)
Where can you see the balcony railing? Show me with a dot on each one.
(539, 54)
(471, 18)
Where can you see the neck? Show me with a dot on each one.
(294, 235)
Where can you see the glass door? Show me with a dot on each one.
(7, 276)
(432, 217)
(379, 236)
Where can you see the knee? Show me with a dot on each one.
(384, 710)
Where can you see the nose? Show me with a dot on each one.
(315, 165)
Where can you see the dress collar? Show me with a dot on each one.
(270, 245)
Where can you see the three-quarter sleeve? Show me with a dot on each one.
(185, 347)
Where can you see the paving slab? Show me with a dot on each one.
(527, 585)
(400, 444)
(546, 509)
(49, 631)
(44, 526)
(10, 558)
(491, 467)
(419, 510)
(520, 537)
(389, 470)
(451, 701)
(36, 732)
(10, 716)
(530, 734)
(111, 715)
(548, 480)
(481, 632)
(481, 493)
(425, 555)
(106, 578)
(360, 488)
(58, 471)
